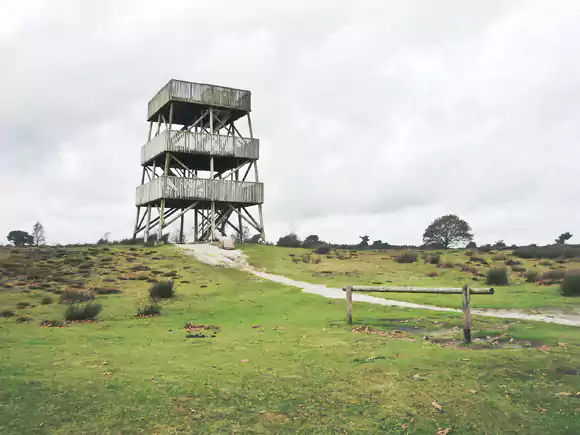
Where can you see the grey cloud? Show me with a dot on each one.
(374, 117)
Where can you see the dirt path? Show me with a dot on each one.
(210, 254)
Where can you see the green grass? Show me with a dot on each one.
(282, 362)
(379, 268)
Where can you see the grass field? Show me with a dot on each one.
(282, 361)
(379, 268)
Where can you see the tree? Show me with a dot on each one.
(364, 241)
(311, 241)
(289, 241)
(562, 238)
(104, 240)
(471, 245)
(500, 244)
(255, 238)
(446, 231)
(244, 236)
(38, 234)
(377, 243)
(20, 238)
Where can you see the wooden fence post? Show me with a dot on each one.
(348, 304)
(466, 315)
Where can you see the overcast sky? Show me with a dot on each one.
(375, 117)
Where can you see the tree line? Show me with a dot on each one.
(445, 232)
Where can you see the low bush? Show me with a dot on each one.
(532, 276)
(470, 253)
(21, 305)
(553, 275)
(520, 269)
(432, 274)
(470, 269)
(162, 290)
(51, 323)
(152, 309)
(47, 300)
(7, 313)
(446, 265)
(570, 286)
(550, 251)
(485, 249)
(76, 312)
(497, 276)
(479, 260)
(316, 260)
(512, 262)
(322, 250)
(106, 291)
(433, 258)
(72, 296)
(23, 319)
(498, 257)
(306, 258)
(546, 263)
(406, 257)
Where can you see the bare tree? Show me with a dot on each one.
(245, 234)
(38, 234)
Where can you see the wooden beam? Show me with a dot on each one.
(244, 218)
(185, 210)
(146, 236)
(185, 168)
(251, 217)
(348, 289)
(248, 170)
(444, 290)
(466, 315)
(231, 171)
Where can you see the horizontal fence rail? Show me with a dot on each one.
(179, 90)
(200, 143)
(441, 290)
(200, 189)
(465, 291)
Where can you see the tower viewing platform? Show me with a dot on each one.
(196, 160)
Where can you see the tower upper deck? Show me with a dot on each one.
(191, 99)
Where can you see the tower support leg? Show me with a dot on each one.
(146, 236)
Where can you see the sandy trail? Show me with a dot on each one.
(214, 256)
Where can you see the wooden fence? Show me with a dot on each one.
(465, 291)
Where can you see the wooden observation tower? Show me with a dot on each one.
(196, 160)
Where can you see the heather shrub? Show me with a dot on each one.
(323, 250)
(532, 276)
(512, 262)
(75, 312)
(47, 300)
(553, 275)
(497, 276)
(406, 257)
(570, 286)
(162, 290)
(72, 296)
(151, 309)
(433, 258)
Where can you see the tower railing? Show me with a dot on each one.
(201, 189)
(201, 143)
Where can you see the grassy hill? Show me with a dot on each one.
(280, 362)
(454, 269)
